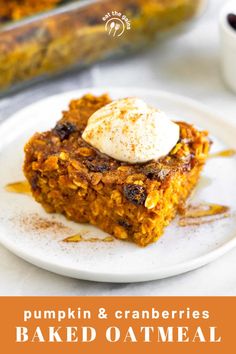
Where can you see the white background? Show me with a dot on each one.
(187, 65)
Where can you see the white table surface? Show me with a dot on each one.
(187, 65)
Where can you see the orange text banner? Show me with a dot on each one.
(191, 325)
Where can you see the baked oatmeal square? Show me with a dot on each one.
(133, 202)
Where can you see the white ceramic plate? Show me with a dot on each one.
(179, 250)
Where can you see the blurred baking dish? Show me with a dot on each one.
(73, 35)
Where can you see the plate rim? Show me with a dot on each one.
(111, 277)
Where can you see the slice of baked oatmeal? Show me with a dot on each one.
(130, 201)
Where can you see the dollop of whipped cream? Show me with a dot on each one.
(130, 130)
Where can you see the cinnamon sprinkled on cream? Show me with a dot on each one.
(130, 130)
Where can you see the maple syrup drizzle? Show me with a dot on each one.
(203, 213)
(200, 221)
(223, 153)
(21, 187)
(80, 238)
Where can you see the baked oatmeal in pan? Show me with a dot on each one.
(132, 201)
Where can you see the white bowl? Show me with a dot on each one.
(228, 46)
